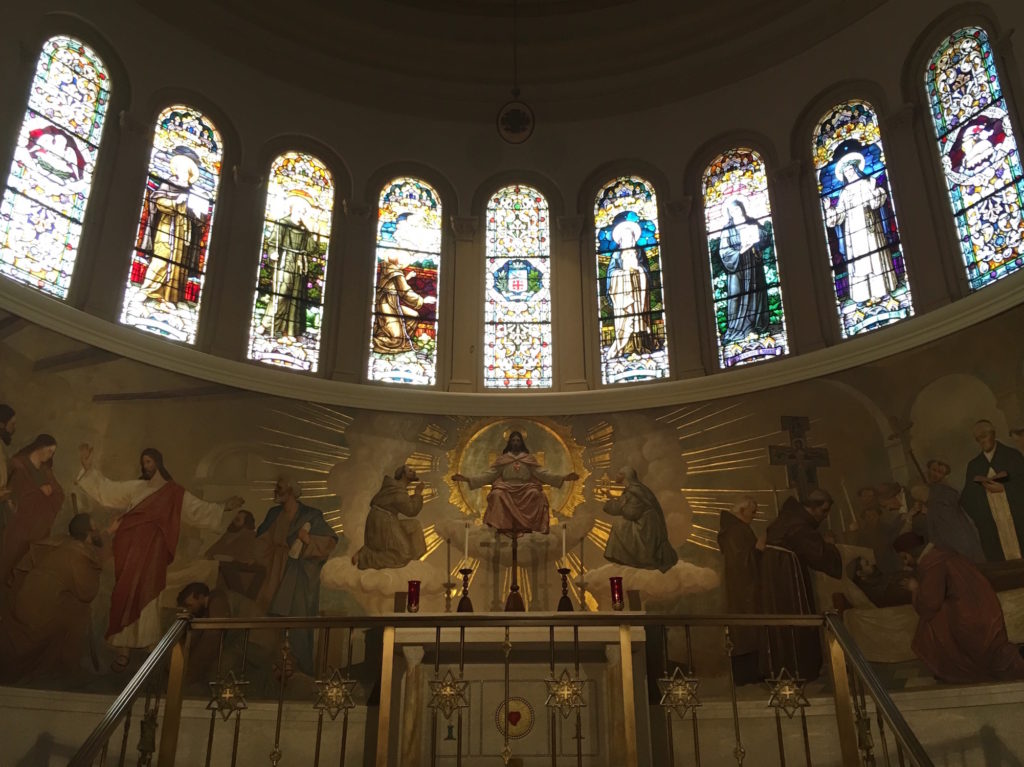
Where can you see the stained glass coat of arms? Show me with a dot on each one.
(750, 321)
(287, 314)
(631, 301)
(169, 260)
(517, 304)
(868, 271)
(44, 202)
(403, 336)
(980, 157)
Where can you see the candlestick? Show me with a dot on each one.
(564, 604)
(465, 605)
(563, 543)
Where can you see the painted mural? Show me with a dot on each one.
(130, 492)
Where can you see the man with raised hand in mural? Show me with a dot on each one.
(516, 501)
(145, 541)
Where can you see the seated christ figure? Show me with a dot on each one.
(516, 502)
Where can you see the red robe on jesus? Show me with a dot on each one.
(517, 500)
(961, 635)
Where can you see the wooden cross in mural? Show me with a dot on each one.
(801, 462)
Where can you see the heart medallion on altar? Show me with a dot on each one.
(517, 714)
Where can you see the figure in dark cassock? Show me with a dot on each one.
(993, 495)
(961, 635)
(293, 542)
(742, 548)
(794, 548)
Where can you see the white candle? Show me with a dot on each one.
(467, 544)
(563, 543)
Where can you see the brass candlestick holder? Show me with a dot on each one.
(565, 603)
(449, 591)
(465, 604)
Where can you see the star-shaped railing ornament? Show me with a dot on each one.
(227, 695)
(334, 694)
(787, 692)
(565, 693)
(679, 692)
(448, 694)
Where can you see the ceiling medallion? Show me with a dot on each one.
(515, 118)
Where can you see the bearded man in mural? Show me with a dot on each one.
(516, 502)
(145, 542)
(639, 537)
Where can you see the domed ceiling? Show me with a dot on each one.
(452, 59)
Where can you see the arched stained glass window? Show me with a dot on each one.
(749, 318)
(403, 339)
(165, 282)
(863, 238)
(288, 311)
(48, 187)
(517, 305)
(631, 301)
(979, 154)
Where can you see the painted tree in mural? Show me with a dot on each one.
(51, 175)
(749, 318)
(403, 336)
(868, 272)
(517, 302)
(631, 302)
(169, 260)
(979, 155)
(287, 314)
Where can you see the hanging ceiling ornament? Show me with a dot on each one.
(515, 118)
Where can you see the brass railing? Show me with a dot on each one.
(858, 693)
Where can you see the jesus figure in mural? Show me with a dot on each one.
(516, 502)
(145, 541)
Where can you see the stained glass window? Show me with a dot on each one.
(288, 311)
(403, 339)
(868, 271)
(631, 302)
(54, 160)
(517, 305)
(749, 318)
(165, 282)
(979, 154)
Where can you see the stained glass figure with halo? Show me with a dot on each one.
(517, 303)
(48, 187)
(979, 153)
(631, 304)
(863, 237)
(403, 336)
(288, 311)
(169, 260)
(749, 317)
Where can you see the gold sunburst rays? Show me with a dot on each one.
(433, 434)
(686, 424)
(720, 425)
(432, 539)
(680, 413)
(601, 433)
(522, 578)
(599, 533)
(323, 416)
(720, 446)
(702, 542)
(423, 463)
(325, 447)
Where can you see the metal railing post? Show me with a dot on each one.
(843, 700)
(628, 696)
(172, 703)
(384, 711)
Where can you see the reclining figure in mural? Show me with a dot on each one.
(516, 502)
(638, 537)
(389, 540)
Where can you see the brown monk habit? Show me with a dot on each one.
(738, 545)
(794, 548)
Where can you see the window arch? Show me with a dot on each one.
(47, 190)
(869, 274)
(750, 322)
(288, 311)
(165, 281)
(517, 303)
(403, 337)
(979, 154)
(631, 302)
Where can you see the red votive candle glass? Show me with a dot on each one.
(616, 585)
(413, 602)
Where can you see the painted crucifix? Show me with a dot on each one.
(801, 462)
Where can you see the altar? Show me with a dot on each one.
(504, 708)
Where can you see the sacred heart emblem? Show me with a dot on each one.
(514, 717)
